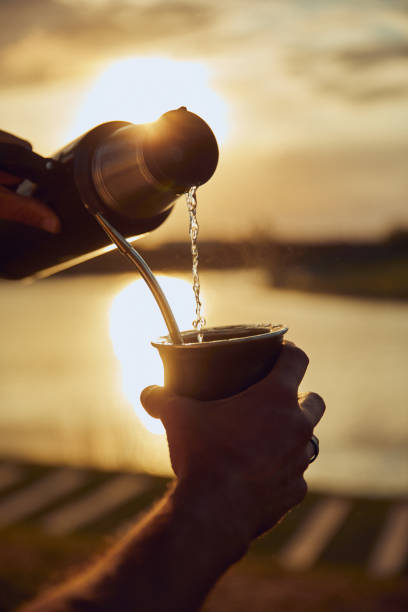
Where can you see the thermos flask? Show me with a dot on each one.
(131, 174)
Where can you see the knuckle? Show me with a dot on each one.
(297, 354)
(305, 462)
(285, 387)
(300, 490)
(304, 426)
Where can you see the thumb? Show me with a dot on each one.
(155, 400)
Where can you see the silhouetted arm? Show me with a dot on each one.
(169, 561)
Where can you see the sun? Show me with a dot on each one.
(134, 321)
(140, 89)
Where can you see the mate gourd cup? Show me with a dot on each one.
(227, 361)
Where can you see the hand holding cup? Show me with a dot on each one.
(249, 451)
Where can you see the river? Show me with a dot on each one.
(76, 353)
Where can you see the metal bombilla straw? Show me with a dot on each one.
(128, 251)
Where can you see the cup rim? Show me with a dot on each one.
(270, 331)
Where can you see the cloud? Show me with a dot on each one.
(367, 73)
(87, 20)
(372, 56)
(49, 40)
(354, 50)
(365, 95)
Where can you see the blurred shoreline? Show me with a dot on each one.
(363, 269)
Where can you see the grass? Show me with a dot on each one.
(30, 560)
(261, 586)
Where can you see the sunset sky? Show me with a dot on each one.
(308, 98)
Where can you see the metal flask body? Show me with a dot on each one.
(131, 174)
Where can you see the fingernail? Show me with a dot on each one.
(51, 224)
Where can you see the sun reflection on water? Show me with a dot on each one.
(134, 321)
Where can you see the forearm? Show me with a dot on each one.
(169, 561)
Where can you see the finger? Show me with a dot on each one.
(28, 211)
(6, 137)
(155, 400)
(9, 179)
(291, 365)
(304, 458)
(313, 407)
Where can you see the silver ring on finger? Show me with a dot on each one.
(315, 443)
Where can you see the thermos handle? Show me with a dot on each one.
(24, 163)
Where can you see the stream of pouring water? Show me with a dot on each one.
(199, 321)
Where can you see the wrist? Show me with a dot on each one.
(218, 509)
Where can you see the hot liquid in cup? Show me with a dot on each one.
(228, 360)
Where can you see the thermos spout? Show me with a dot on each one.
(159, 161)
